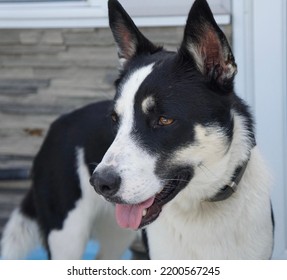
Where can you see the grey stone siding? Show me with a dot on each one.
(45, 73)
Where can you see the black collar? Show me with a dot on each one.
(231, 188)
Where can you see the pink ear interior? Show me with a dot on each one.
(211, 51)
(127, 44)
(216, 60)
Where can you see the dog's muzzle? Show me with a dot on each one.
(106, 183)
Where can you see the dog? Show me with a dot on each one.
(177, 157)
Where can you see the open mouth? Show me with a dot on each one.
(136, 216)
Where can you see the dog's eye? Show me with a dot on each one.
(115, 117)
(163, 121)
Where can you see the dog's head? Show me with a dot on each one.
(172, 115)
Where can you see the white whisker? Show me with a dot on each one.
(209, 172)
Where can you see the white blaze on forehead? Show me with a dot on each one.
(125, 104)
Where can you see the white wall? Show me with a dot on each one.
(260, 48)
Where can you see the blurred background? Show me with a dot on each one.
(56, 56)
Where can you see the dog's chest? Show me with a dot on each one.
(182, 235)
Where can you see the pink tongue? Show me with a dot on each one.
(130, 216)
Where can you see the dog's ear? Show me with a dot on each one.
(207, 45)
(130, 41)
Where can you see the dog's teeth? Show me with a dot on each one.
(144, 212)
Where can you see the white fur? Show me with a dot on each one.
(133, 164)
(91, 217)
(128, 92)
(196, 54)
(20, 236)
(240, 227)
(147, 104)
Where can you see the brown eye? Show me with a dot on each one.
(114, 117)
(163, 121)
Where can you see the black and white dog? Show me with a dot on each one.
(177, 154)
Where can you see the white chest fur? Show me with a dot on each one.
(237, 228)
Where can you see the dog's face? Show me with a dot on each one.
(172, 115)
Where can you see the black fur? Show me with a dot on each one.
(130, 43)
(56, 187)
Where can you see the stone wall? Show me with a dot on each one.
(45, 73)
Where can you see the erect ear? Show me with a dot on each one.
(130, 41)
(207, 45)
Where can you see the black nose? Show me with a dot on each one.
(106, 183)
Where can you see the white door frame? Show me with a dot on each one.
(94, 13)
(260, 49)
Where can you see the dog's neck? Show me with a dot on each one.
(229, 189)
